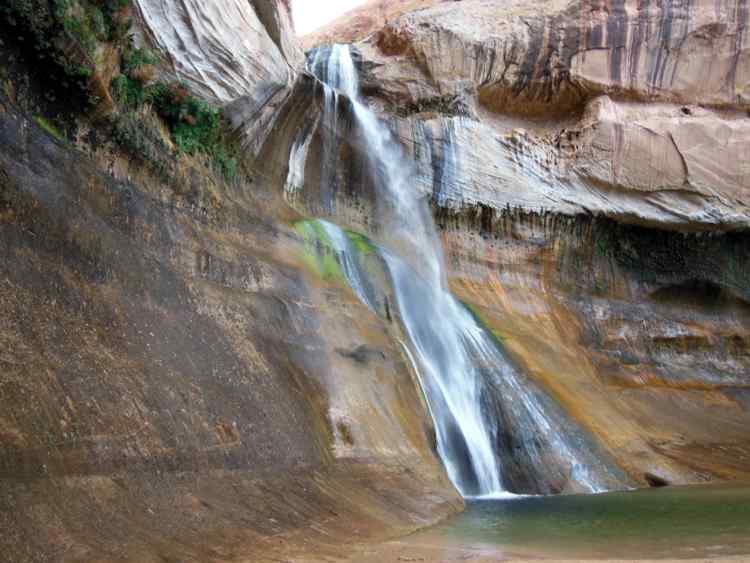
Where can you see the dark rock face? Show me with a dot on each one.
(89, 282)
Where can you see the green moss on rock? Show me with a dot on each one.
(49, 127)
(319, 253)
(363, 244)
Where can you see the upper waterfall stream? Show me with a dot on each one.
(493, 424)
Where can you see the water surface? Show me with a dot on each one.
(702, 522)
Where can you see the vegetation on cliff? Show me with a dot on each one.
(87, 48)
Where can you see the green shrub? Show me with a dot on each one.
(134, 59)
(118, 27)
(61, 8)
(142, 141)
(199, 129)
(195, 125)
(224, 164)
(99, 24)
(86, 25)
(127, 92)
(52, 25)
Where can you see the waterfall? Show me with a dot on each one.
(475, 395)
(297, 158)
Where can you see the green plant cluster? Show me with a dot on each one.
(320, 255)
(196, 127)
(118, 28)
(362, 243)
(65, 31)
(194, 124)
(142, 141)
(127, 92)
(68, 33)
(134, 59)
(128, 88)
(45, 124)
(90, 23)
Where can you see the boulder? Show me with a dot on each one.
(223, 50)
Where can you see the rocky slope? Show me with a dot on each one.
(175, 382)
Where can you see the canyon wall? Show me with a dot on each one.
(587, 165)
(182, 380)
(176, 382)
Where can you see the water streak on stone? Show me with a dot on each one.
(295, 179)
(347, 258)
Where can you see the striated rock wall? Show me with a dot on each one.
(641, 334)
(234, 52)
(224, 50)
(551, 96)
(550, 56)
(672, 167)
(596, 215)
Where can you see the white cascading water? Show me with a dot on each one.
(458, 363)
(297, 157)
(433, 320)
(347, 256)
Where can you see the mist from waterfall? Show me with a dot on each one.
(472, 390)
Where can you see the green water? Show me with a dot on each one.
(674, 522)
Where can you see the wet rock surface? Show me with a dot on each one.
(171, 385)
(572, 157)
(641, 334)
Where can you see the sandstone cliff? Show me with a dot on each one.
(175, 382)
(364, 20)
(587, 165)
(514, 69)
(182, 380)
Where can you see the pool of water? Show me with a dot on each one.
(672, 522)
(701, 522)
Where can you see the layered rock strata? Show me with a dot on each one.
(591, 185)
